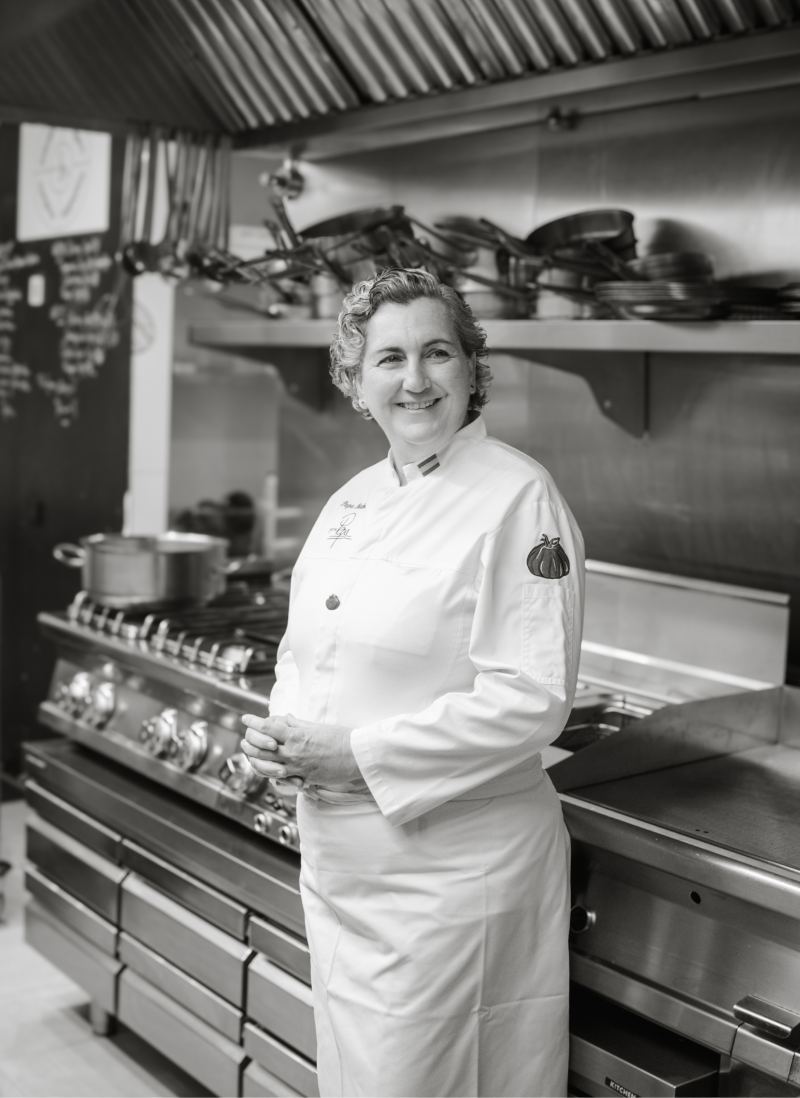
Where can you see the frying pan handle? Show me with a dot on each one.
(71, 555)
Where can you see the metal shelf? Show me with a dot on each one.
(612, 356)
(769, 337)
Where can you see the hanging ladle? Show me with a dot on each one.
(136, 254)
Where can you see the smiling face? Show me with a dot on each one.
(415, 378)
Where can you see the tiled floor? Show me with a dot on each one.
(47, 1047)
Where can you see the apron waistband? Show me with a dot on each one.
(525, 776)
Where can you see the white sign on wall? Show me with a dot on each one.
(64, 182)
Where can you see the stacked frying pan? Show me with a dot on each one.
(667, 286)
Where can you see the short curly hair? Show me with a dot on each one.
(401, 286)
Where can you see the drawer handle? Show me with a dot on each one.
(773, 1020)
(581, 919)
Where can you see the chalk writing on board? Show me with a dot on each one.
(15, 377)
(63, 394)
(85, 318)
(79, 288)
(81, 264)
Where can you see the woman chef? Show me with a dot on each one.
(431, 653)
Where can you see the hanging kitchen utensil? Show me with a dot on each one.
(136, 253)
(130, 190)
(154, 254)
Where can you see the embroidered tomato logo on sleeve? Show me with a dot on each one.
(548, 559)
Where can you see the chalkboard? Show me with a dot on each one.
(64, 397)
(60, 305)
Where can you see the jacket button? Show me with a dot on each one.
(332, 602)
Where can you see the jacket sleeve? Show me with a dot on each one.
(283, 697)
(525, 648)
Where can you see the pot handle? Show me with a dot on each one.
(71, 555)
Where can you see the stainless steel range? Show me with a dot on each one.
(686, 936)
(164, 695)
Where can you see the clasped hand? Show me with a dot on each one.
(285, 748)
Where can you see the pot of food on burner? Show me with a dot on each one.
(166, 570)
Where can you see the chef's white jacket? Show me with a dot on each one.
(416, 620)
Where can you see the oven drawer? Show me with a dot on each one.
(82, 872)
(187, 891)
(255, 872)
(66, 909)
(257, 1082)
(281, 1004)
(194, 1046)
(91, 969)
(284, 949)
(613, 1051)
(213, 957)
(281, 1061)
(76, 823)
(197, 998)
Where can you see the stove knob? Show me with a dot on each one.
(239, 776)
(189, 745)
(261, 823)
(289, 835)
(76, 695)
(156, 733)
(103, 704)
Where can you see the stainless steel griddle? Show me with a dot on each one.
(686, 880)
(749, 802)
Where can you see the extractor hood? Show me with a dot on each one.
(278, 72)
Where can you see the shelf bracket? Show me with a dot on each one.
(618, 380)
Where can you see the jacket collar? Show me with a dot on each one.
(475, 431)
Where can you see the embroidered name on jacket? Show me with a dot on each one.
(342, 532)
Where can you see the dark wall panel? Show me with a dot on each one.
(56, 483)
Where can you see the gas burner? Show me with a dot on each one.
(230, 636)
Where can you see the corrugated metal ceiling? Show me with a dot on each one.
(243, 65)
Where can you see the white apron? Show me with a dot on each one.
(441, 621)
(439, 947)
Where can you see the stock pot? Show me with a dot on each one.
(166, 570)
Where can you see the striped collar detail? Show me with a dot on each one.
(416, 471)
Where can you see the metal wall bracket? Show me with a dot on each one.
(618, 380)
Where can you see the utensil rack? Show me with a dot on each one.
(612, 356)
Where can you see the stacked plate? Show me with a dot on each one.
(675, 267)
(661, 300)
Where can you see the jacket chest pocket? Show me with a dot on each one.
(401, 608)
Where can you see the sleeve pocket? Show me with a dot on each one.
(547, 613)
